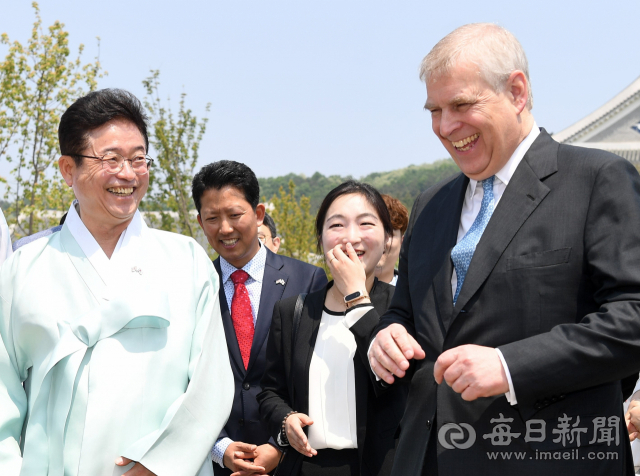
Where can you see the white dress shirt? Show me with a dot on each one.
(471, 207)
(332, 388)
(474, 194)
(255, 270)
(5, 239)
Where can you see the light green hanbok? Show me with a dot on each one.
(133, 363)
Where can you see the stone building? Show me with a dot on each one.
(615, 126)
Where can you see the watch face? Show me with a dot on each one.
(352, 296)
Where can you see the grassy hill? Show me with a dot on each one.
(404, 184)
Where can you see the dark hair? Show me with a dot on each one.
(398, 212)
(269, 223)
(352, 186)
(94, 110)
(224, 173)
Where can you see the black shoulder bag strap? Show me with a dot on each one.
(297, 315)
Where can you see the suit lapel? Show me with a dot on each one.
(521, 197)
(229, 331)
(449, 216)
(271, 293)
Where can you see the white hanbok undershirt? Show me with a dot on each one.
(111, 270)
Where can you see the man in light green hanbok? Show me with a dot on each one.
(113, 357)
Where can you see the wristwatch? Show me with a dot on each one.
(352, 298)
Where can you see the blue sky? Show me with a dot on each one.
(332, 86)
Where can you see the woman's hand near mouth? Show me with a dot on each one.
(347, 269)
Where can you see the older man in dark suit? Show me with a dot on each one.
(226, 194)
(517, 307)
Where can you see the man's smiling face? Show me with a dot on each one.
(230, 224)
(108, 199)
(478, 127)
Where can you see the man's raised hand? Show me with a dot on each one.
(473, 371)
(632, 419)
(391, 351)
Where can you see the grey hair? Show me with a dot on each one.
(495, 51)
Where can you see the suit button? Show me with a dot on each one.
(538, 406)
(241, 421)
(246, 386)
(554, 399)
(428, 424)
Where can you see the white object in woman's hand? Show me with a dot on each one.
(347, 269)
(297, 439)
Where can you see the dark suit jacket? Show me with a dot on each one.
(555, 285)
(244, 421)
(28, 239)
(287, 389)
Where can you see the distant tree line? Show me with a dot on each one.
(404, 184)
(295, 216)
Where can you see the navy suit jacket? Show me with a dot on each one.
(244, 422)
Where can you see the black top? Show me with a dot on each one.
(377, 417)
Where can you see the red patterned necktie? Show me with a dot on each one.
(241, 314)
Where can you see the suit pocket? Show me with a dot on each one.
(539, 259)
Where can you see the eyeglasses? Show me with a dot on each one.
(114, 163)
(263, 238)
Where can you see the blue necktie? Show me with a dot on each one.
(462, 253)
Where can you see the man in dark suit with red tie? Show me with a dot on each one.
(518, 298)
(253, 279)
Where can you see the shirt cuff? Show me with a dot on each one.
(636, 390)
(511, 394)
(368, 354)
(217, 452)
(353, 315)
